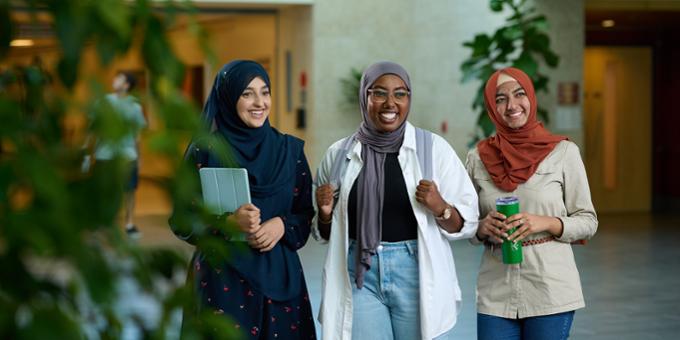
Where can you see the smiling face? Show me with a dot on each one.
(512, 104)
(254, 104)
(388, 103)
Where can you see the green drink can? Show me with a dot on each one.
(512, 251)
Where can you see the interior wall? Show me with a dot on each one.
(294, 59)
(618, 106)
(567, 39)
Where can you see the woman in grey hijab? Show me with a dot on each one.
(388, 228)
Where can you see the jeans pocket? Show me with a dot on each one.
(412, 250)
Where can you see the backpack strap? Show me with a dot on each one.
(424, 151)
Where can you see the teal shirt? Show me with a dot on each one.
(131, 113)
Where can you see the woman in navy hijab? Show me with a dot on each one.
(262, 288)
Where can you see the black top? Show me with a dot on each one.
(398, 221)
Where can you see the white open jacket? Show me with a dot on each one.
(440, 294)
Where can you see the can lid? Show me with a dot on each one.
(508, 200)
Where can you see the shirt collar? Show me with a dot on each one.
(409, 140)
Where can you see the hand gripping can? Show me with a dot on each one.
(512, 251)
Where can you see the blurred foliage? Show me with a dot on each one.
(66, 265)
(350, 88)
(521, 42)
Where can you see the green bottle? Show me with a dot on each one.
(512, 251)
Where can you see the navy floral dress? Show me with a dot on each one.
(233, 288)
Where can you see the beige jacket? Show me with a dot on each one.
(547, 281)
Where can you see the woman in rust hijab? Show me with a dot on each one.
(537, 298)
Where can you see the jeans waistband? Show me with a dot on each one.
(409, 245)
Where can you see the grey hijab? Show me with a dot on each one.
(371, 180)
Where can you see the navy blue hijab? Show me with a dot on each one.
(263, 151)
(270, 158)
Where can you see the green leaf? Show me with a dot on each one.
(469, 64)
(49, 322)
(526, 63)
(7, 316)
(115, 15)
(543, 115)
(98, 277)
(515, 19)
(350, 87)
(496, 5)
(551, 58)
(513, 32)
(504, 45)
(539, 23)
(478, 102)
(540, 83)
(537, 41)
(68, 71)
(488, 128)
(179, 113)
(470, 74)
(155, 49)
(480, 45)
(71, 26)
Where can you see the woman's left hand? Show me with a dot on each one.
(428, 195)
(528, 224)
(268, 235)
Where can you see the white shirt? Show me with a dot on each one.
(440, 294)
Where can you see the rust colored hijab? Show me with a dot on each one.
(512, 155)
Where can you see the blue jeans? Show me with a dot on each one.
(545, 327)
(388, 305)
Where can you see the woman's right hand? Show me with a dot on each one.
(491, 228)
(247, 217)
(324, 201)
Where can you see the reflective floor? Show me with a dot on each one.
(630, 273)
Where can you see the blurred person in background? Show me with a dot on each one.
(129, 112)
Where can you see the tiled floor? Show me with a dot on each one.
(630, 272)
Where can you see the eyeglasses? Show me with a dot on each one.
(380, 96)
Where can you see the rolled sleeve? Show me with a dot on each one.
(456, 188)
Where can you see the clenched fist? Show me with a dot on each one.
(324, 201)
(428, 195)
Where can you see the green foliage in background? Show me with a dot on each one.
(350, 88)
(522, 42)
(65, 263)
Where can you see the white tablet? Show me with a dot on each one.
(225, 190)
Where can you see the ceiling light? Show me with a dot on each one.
(21, 43)
(608, 23)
